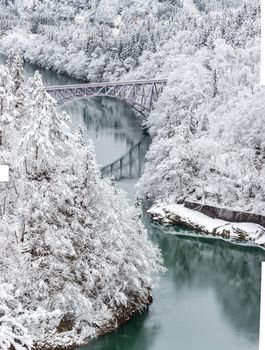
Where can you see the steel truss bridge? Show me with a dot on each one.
(140, 94)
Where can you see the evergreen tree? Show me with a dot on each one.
(76, 262)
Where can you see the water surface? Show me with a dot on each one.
(207, 300)
(110, 124)
(209, 297)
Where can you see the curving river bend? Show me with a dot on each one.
(209, 297)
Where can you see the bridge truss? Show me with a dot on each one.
(140, 94)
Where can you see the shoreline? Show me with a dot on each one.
(167, 216)
(239, 233)
(124, 315)
(121, 314)
(43, 67)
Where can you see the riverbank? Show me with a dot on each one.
(209, 285)
(88, 276)
(236, 232)
(195, 268)
(122, 315)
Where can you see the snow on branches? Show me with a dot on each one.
(12, 332)
(75, 250)
(208, 126)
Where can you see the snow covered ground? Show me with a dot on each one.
(237, 232)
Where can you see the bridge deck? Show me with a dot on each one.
(140, 94)
(117, 83)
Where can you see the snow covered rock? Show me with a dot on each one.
(177, 214)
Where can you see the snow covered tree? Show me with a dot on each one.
(7, 105)
(12, 333)
(76, 264)
(14, 63)
(46, 131)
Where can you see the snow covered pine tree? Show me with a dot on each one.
(75, 260)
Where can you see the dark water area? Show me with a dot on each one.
(209, 298)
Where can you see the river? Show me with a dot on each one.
(209, 297)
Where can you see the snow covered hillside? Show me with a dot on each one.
(100, 40)
(75, 260)
(208, 126)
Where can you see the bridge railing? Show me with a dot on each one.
(117, 83)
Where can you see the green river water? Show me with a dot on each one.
(209, 297)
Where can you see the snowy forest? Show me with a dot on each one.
(75, 257)
(205, 143)
(71, 267)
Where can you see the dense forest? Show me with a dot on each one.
(208, 127)
(97, 40)
(70, 263)
(208, 145)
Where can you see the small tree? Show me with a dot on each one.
(46, 132)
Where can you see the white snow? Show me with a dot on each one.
(173, 213)
(208, 142)
(189, 4)
(71, 246)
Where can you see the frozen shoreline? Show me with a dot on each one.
(178, 214)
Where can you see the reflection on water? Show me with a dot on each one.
(209, 297)
(232, 272)
(111, 124)
(207, 300)
(49, 77)
(2, 59)
(130, 165)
